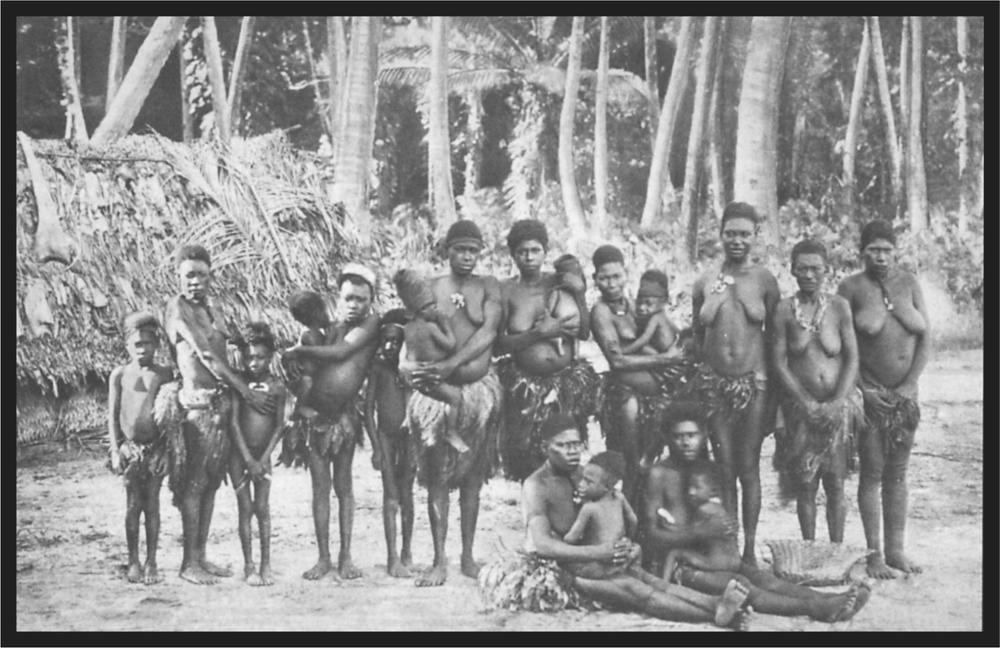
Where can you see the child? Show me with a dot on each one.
(429, 337)
(309, 310)
(605, 517)
(254, 437)
(659, 334)
(715, 554)
(392, 451)
(138, 448)
(561, 302)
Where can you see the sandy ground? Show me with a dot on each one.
(71, 548)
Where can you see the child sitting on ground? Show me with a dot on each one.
(659, 334)
(605, 516)
(714, 554)
(254, 436)
(561, 302)
(138, 447)
(429, 337)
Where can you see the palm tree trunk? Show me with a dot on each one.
(659, 167)
(355, 151)
(885, 99)
(755, 180)
(962, 120)
(904, 106)
(601, 133)
(649, 39)
(474, 140)
(567, 117)
(689, 211)
(116, 57)
(854, 119)
(216, 78)
(981, 204)
(438, 141)
(336, 48)
(716, 176)
(140, 77)
(187, 122)
(240, 59)
(916, 195)
(69, 73)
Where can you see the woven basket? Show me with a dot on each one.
(814, 563)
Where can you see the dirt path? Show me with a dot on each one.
(71, 548)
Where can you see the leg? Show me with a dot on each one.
(262, 509)
(319, 473)
(870, 500)
(721, 427)
(469, 504)
(747, 444)
(151, 511)
(894, 506)
(628, 427)
(244, 508)
(344, 489)
(390, 506)
(205, 521)
(836, 504)
(805, 506)
(406, 475)
(437, 510)
(195, 484)
(133, 509)
(634, 594)
(452, 395)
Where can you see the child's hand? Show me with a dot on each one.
(256, 469)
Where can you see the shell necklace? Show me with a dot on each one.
(817, 319)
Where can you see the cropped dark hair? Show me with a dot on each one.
(193, 252)
(681, 411)
(307, 307)
(739, 210)
(259, 333)
(556, 423)
(808, 246)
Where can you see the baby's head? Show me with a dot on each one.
(600, 475)
(414, 292)
(569, 264)
(652, 294)
(308, 309)
(702, 487)
(390, 335)
(142, 337)
(259, 349)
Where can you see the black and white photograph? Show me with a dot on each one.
(377, 323)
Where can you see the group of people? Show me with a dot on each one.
(474, 374)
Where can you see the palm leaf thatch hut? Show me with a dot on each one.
(96, 230)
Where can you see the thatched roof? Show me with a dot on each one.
(261, 210)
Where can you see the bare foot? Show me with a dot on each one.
(254, 580)
(397, 569)
(215, 570)
(347, 570)
(863, 592)
(198, 576)
(902, 563)
(150, 574)
(730, 603)
(835, 609)
(878, 569)
(470, 567)
(741, 622)
(134, 573)
(249, 569)
(433, 577)
(318, 570)
(266, 578)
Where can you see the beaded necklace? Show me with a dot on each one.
(817, 318)
(722, 282)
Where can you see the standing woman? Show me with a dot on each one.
(893, 332)
(733, 308)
